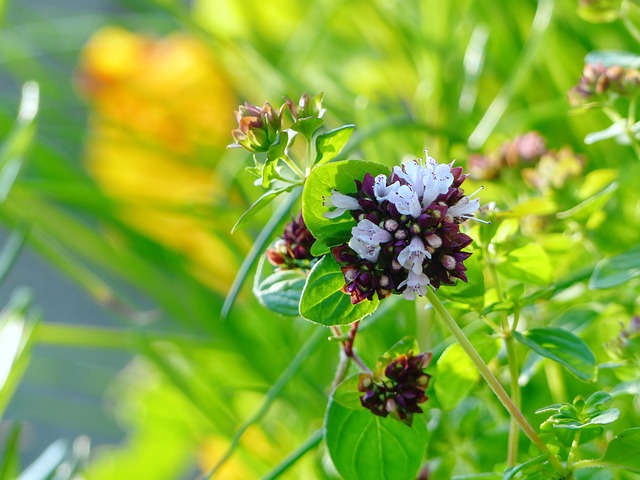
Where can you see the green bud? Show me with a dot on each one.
(258, 128)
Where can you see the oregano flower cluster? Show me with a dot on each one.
(293, 249)
(408, 233)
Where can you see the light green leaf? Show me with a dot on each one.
(456, 373)
(616, 270)
(318, 249)
(330, 144)
(364, 446)
(10, 463)
(323, 302)
(322, 181)
(563, 347)
(276, 152)
(622, 451)
(529, 264)
(307, 126)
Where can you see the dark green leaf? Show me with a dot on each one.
(322, 181)
(329, 145)
(563, 347)
(281, 291)
(616, 270)
(365, 446)
(323, 302)
(622, 451)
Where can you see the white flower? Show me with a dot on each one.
(342, 203)
(366, 239)
(413, 255)
(412, 173)
(464, 208)
(436, 181)
(416, 284)
(406, 201)
(381, 190)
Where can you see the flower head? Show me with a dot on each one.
(293, 249)
(397, 387)
(408, 232)
(258, 128)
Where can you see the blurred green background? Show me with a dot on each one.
(127, 197)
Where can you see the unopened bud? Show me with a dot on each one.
(434, 240)
(391, 225)
(448, 262)
(390, 405)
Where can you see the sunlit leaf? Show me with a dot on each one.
(365, 446)
(280, 291)
(275, 153)
(622, 451)
(529, 264)
(329, 145)
(323, 302)
(322, 181)
(259, 204)
(563, 347)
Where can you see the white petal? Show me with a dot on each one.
(341, 200)
(365, 250)
(381, 190)
(464, 208)
(406, 201)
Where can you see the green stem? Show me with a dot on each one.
(273, 393)
(293, 166)
(492, 381)
(574, 448)
(309, 444)
(624, 15)
(512, 360)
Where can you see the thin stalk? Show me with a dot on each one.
(492, 381)
(574, 448)
(293, 166)
(273, 393)
(309, 444)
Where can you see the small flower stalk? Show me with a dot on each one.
(408, 233)
(397, 387)
(293, 249)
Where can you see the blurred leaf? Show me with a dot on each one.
(617, 131)
(365, 446)
(10, 465)
(563, 347)
(322, 300)
(45, 465)
(611, 58)
(471, 292)
(596, 181)
(590, 205)
(622, 451)
(16, 145)
(456, 373)
(10, 251)
(533, 206)
(613, 271)
(330, 144)
(511, 472)
(280, 291)
(322, 181)
(529, 264)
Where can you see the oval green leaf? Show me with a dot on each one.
(330, 144)
(563, 347)
(322, 181)
(364, 446)
(617, 270)
(322, 300)
(281, 291)
(622, 451)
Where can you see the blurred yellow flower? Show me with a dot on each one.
(162, 116)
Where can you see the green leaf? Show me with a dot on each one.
(259, 204)
(276, 152)
(10, 251)
(281, 291)
(10, 465)
(365, 446)
(622, 451)
(330, 144)
(616, 270)
(16, 145)
(307, 126)
(322, 300)
(318, 249)
(592, 204)
(563, 347)
(471, 292)
(529, 264)
(610, 58)
(322, 181)
(456, 373)
(511, 472)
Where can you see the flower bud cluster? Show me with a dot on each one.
(408, 232)
(598, 81)
(293, 249)
(397, 388)
(626, 345)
